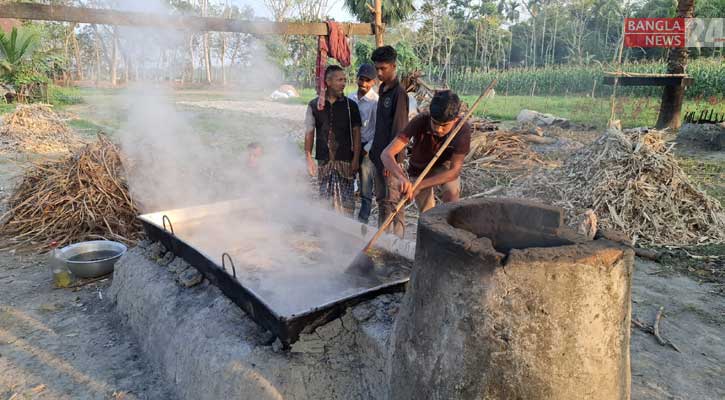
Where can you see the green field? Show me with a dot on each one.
(577, 80)
(632, 111)
(594, 112)
(100, 110)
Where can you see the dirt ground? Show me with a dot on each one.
(63, 343)
(66, 344)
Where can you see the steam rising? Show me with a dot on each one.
(281, 249)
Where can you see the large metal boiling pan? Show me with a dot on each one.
(245, 252)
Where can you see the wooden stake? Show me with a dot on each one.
(379, 23)
(612, 123)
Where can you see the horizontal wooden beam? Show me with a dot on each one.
(649, 81)
(112, 17)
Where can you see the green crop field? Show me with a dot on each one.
(632, 111)
(708, 75)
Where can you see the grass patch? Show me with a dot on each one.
(709, 175)
(63, 96)
(632, 111)
(6, 108)
(85, 126)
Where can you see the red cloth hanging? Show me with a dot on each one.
(334, 45)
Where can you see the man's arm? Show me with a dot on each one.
(389, 161)
(400, 119)
(356, 148)
(356, 124)
(444, 177)
(309, 141)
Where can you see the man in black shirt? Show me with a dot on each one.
(391, 118)
(335, 133)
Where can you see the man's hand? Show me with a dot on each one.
(311, 167)
(406, 188)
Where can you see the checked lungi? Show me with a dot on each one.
(336, 182)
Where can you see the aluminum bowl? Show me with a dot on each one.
(92, 259)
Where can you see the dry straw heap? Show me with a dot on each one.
(81, 197)
(37, 128)
(496, 158)
(501, 150)
(633, 183)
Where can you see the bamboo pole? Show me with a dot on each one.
(31, 11)
(612, 122)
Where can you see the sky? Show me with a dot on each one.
(337, 9)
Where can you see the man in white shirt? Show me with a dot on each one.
(412, 106)
(367, 101)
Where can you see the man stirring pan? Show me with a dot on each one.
(428, 131)
(334, 132)
(367, 101)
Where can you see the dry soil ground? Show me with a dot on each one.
(63, 343)
(67, 344)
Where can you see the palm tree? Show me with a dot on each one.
(512, 11)
(393, 10)
(14, 49)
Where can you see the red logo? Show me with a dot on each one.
(654, 32)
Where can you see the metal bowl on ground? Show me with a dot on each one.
(92, 259)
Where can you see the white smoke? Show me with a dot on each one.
(295, 264)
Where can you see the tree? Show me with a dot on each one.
(577, 29)
(311, 10)
(393, 10)
(280, 9)
(510, 11)
(533, 7)
(672, 96)
(429, 34)
(207, 49)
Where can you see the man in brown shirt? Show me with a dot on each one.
(428, 131)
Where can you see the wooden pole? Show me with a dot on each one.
(31, 11)
(379, 23)
(612, 122)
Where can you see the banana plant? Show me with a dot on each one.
(15, 48)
